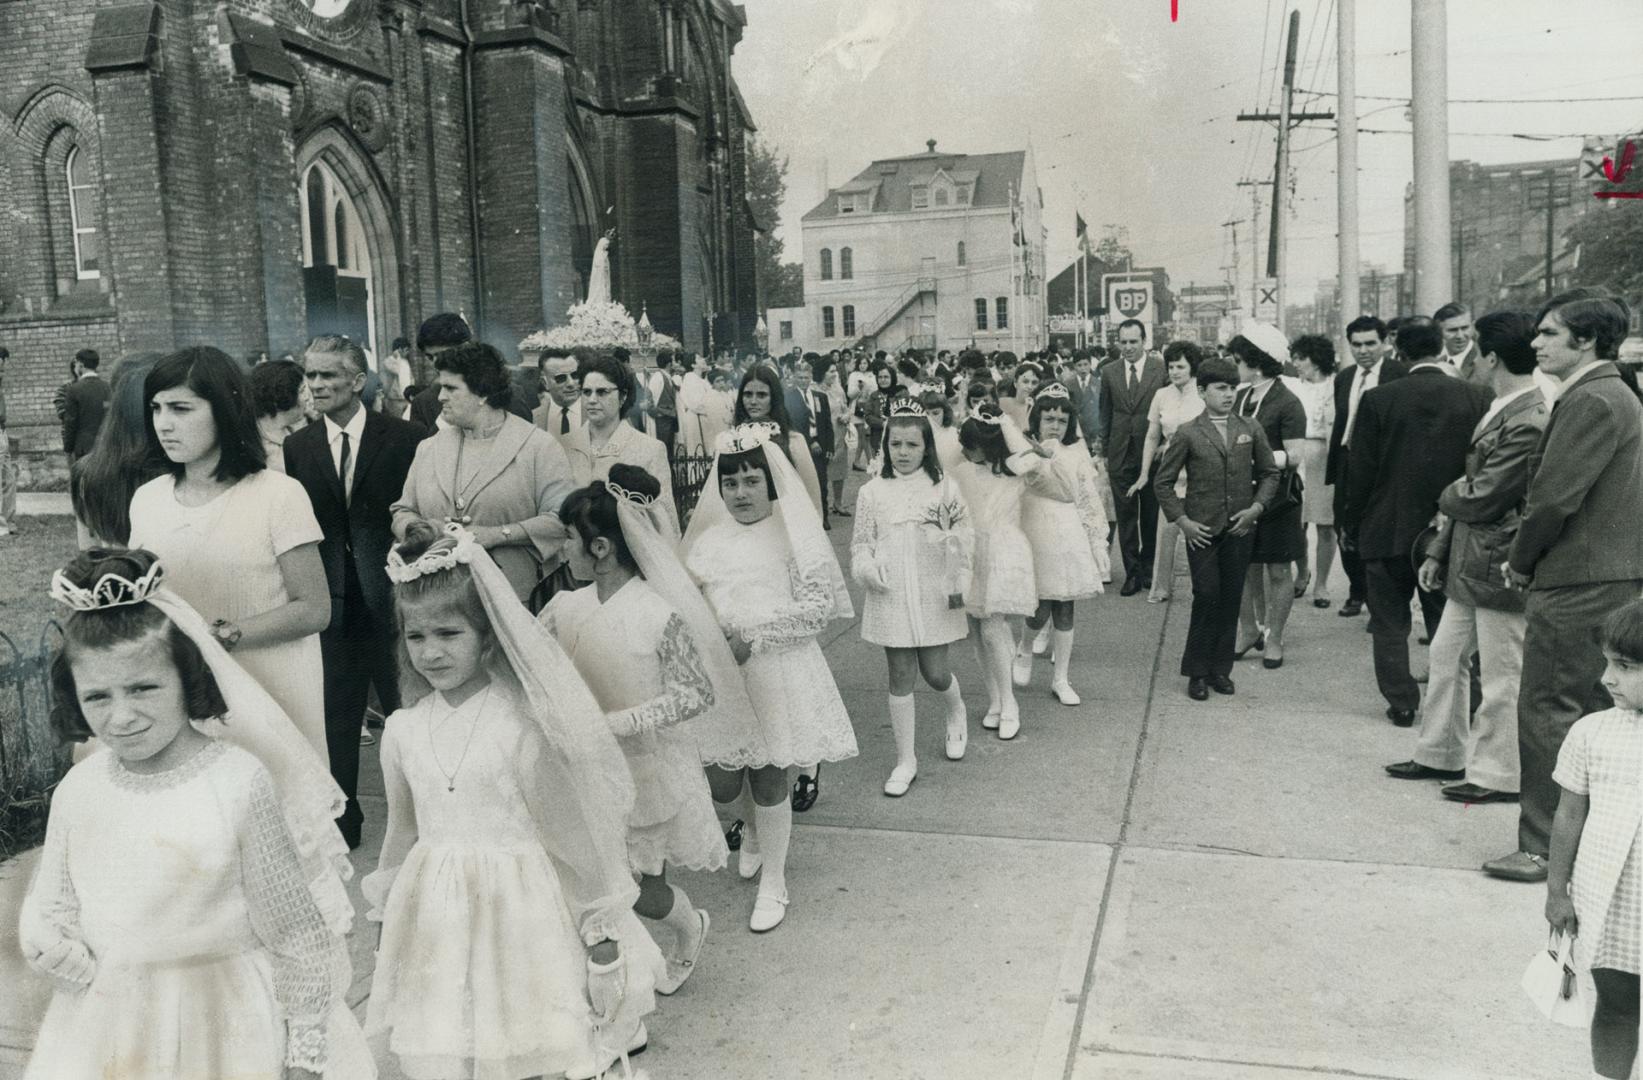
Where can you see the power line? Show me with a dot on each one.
(1490, 101)
(1537, 136)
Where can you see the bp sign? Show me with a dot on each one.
(1129, 298)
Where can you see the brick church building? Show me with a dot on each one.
(246, 173)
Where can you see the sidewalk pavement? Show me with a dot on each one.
(1140, 888)
(41, 503)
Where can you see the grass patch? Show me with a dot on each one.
(36, 547)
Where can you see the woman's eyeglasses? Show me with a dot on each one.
(598, 391)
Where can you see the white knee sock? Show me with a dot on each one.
(775, 830)
(1024, 650)
(901, 723)
(684, 923)
(744, 809)
(1063, 654)
(984, 659)
(955, 703)
(998, 661)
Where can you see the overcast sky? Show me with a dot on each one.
(1132, 118)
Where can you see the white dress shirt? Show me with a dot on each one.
(1361, 381)
(1500, 403)
(333, 435)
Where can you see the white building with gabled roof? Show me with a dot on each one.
(932, 251)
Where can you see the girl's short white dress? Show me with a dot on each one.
(637, 656)
(911, 549)
(212, 958)
(755, 587)
(1002, 581)
(1602, 758)
(482, 969)
(1066, 526)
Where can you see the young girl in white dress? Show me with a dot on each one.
(190, 901)
(1067, 528)
(911, 551)
(1594, 875)
(996, 458)
(756, 547)
(509, 945)
(653, 656)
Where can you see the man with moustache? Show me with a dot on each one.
(1373, 365)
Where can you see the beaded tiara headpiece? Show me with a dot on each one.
(637, 498)
(907, 408)
(1054, 390)
(433, 562)
(110, 590)
(745, 437)
(995, 419)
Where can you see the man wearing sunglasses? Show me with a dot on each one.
(560, 413)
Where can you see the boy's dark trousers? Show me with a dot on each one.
(1218, 571)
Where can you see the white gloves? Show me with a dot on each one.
(607, 985)
(66, 959)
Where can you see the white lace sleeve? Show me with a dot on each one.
(289, 925)
(803, 617)
(1093, 516)
(686, 690)
(863, 556)
(402, 832)
(1050, 480)
(49, 926)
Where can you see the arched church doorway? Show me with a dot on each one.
(337, 260)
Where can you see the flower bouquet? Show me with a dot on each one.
(598, 326)
(942, 518)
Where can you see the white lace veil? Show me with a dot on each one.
(792, 507)
(648, 530)
(580, 791)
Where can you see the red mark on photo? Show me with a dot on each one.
(1617, 173)
(1174, 10)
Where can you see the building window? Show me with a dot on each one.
(848, 204)
(827, 322)
(921, 198)
(82, 213)
(961, 253)
(1003, 320)
(786, 332)
(827, 264)
(847, 264)
(941, 196)
(962, 194)
(849, 320)
(981, 313)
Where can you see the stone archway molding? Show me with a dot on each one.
(351, 164)
(50, 108)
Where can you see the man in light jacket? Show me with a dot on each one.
(1480, 512)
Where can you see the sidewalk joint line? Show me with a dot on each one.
(1325, 1070)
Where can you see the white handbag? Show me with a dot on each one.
(1553, 985)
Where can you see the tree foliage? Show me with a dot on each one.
(780, 284)
(1611, 247)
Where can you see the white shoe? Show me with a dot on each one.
(366, 738)
(748, 863)
(679, 970)
(1021, 670)
(1008, 725)
(768, 913)
(990, 721)
(958, 736)
(1041, 643)
(1065, 694)
(608, 1061)
(901, 778)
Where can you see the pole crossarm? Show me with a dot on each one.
(1294, 118)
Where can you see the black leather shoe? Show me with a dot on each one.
(1272, 664)
(1320, 602)
(733, 836)
(1350, 608)
(1131, 587)
(1401, 717)
(1197, 689)
(1414, 770)
(1477, 793)
(1221, 684)
(806, 790)
(1259, 645)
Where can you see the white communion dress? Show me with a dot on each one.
(212, 958)
(1066, 526)
(1002, 582)
(911, 549)
(637, 656)
(756, 589)
(482, 967)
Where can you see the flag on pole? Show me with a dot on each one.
(1083, 233)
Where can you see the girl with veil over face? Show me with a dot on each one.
(509, 946)
(189, 904)
(756, 548)
(655, 659)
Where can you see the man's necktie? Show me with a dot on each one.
(564, 421)
(342, 467)
(1132, 377)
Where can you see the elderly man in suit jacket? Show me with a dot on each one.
(1480, 512)
(1578, 550)
(1373, 364)
(352, 463)
(84, 402)
(1231, 478)
(812, 416)
(1126, 388)
(1409, 443)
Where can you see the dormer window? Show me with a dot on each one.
(941, 196)
(921, 198)
(852, 204)
(961, 194)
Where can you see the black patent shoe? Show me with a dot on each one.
(806, 790)
(733, 836)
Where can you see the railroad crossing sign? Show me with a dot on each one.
(1266, 300)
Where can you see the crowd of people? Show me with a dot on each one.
(579, 605)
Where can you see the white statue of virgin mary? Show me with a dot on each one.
(599, 277)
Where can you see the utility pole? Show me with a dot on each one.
(1430, 104)
(1255, 187)
(1346, 161)
(1555, 196)
(1286, 117)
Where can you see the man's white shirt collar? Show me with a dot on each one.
(1577, 374)
(1500, 403)
(355, 428)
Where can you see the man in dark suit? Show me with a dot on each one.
(1460, 341)
(438, 333)
(1408, 444)
(1480, 512)
(811, 415)
(1373, 365)
(1231, 478)
(84, 402)
(1126, 390)
(1085, 387)
(1578, 550)
(353, 464)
